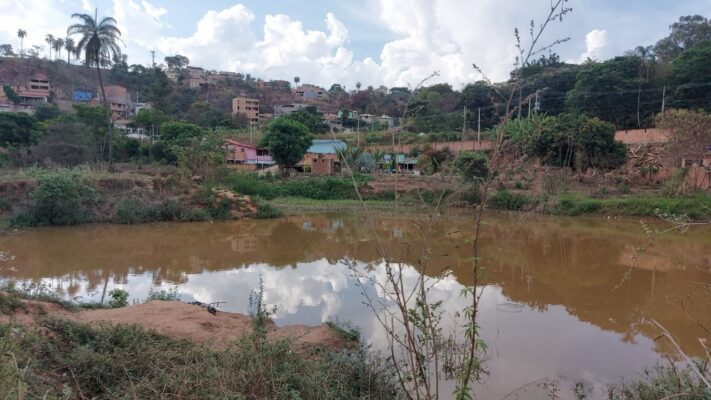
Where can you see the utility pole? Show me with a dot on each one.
(664, 98)
(464, 122)
(478, 127)
(153, 58)
(358, 128)
(250, 132)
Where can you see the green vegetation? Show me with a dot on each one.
(118, 298)
(132, 210)
(345, 330)
(696, 207)
(287, 141)
(505, 200)
(473, 166)
(268, 211)
(115, 361)
(62, 197)
(664, 382)
(320, 188)
(18, 129)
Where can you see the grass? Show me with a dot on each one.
(663, 382)
(80, 361)
(12, 294)
(315, 187)
(298, 205)
(696, 207)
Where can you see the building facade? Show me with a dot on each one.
(247, 107)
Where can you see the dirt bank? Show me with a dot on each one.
(179, 320)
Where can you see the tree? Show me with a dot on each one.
(310, 118)
(358, 86)
(58, 46)
(472, 165)
(99, 41)
(49, 39)
(179, 132)
(287, 141)
(685, 34)
(46, 112)
(150, 120)
(6, 50)
(17, 129)
(22, 34)
(69, 45)
(690, 72)
(297, 80)
(177, 61)
(609, 91)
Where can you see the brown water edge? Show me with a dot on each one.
(565, 295)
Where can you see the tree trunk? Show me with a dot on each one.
(108, 116)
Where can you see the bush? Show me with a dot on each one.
(132, 210)
(62, 197)
(505, 200)
(118, 298)
(267, 211)
(472, 165)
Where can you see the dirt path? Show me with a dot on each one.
(181, 321)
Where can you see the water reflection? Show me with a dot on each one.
(564, 297)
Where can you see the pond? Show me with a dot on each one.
(565, 299)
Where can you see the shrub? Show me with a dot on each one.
(163, 295)
(267, 211)
(505, 200)
(62, 197)
(472, 165)
(118, 298)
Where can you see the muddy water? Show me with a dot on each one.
(565, 299)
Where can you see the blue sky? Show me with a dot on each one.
(390, 42)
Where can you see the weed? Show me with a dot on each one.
(10, 303)
(163, 295)
(345, 330)
(118, 298)
(267, 211)
(505, 200)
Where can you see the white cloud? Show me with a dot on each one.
(595, 41)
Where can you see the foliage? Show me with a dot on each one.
(567, 140)
(62, 197)
(310, 118)
(432, 161)
(268, 211)
(46, 111)
(287, 141)
(177, 61)
(11, 94)
(690, 72)
(505, 200)
(664, 382)
(118, 298)
(610, 91)
(472, 165)
(179, 132)
(133, 210)
(696, 206)
(685, 34)
(17, 129)
(152, 366)
(163, 295)
(345, 330)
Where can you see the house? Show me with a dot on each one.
(247, 107)
(367, 118)
(36, 91)
(386, 121)
(286, 109)
(246, 156)
(402, 163)
(310, 92)
(119, 102)
(173, 75)
(322, 157)
(196, 77)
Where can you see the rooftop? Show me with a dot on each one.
(326, 146)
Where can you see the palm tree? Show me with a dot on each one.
(99, 42)
(22, 34)
(50, 41)
(69, 46)
(58, 46)
(297, 80)
(358, 85)
(377, 156)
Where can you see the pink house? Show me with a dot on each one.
(247, 156)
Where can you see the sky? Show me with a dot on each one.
(375, 42)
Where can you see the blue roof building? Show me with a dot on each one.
(326, 146)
